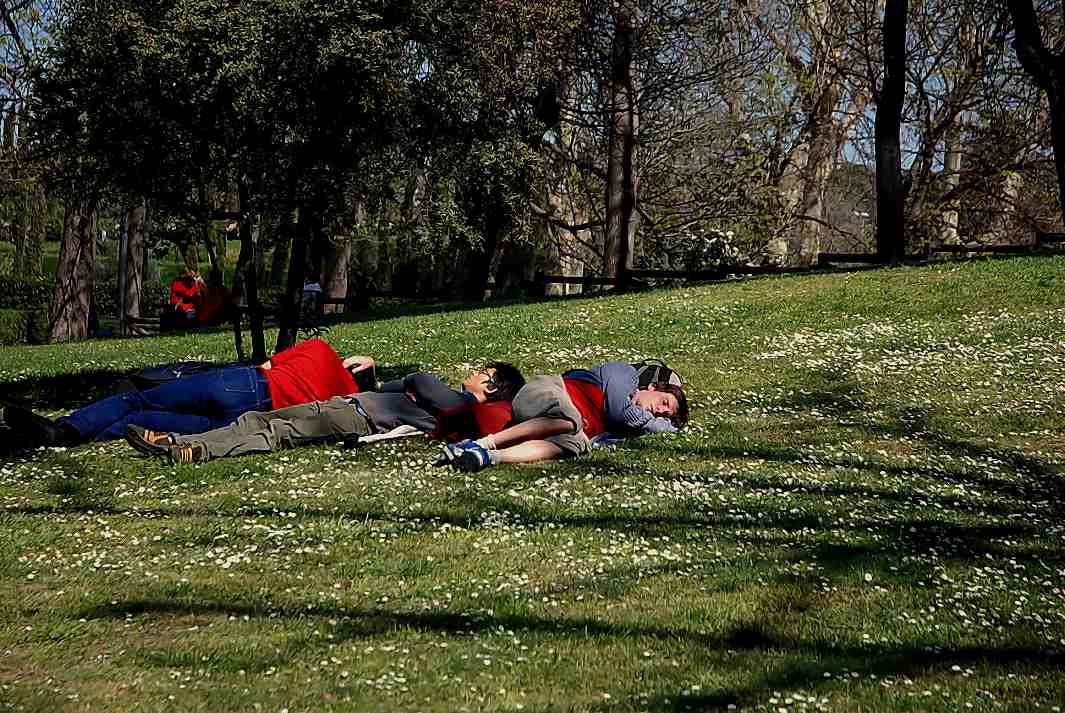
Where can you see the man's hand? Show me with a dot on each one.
(358, 363)
(266, 365)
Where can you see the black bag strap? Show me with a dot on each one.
(651, 371)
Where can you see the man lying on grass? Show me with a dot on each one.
(558, 416)
(309, 371)
(414, 402)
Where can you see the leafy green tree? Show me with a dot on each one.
(275, 98)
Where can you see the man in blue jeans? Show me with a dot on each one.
(310, 371)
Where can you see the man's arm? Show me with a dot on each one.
(619, 384)
(432, 394)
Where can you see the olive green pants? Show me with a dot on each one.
(265, 432)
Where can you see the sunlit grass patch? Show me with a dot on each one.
(866, 514)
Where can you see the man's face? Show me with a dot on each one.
(480, 383)
(658, 403)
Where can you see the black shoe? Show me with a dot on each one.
(472, 460)
(150, 443)
(450, 453)
(34, 430)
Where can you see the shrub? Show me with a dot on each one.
(22, 326)
(21, 294)
(18, 293)
(153, 297)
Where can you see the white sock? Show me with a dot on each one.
(495, 457)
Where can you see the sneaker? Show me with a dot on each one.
(185, 453)
(450, 452)
(472, 459)
(150, 443)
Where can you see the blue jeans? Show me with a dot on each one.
(192, 404)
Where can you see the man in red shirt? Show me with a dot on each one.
(310, 371)
(405, 406)
(185, 297)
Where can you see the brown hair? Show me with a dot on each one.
(507, 381)
(680, 418)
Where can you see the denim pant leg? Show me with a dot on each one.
(219, 396)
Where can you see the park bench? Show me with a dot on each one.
(147, 326)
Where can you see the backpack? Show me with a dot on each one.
(651, 371)
(151, 376)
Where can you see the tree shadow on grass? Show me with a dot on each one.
(805, 658)
(68, 392)
(1027, 477)
(62, 391)
(775, 526)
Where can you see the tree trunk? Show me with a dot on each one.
(72, 299)
(190, 254)
(620, 187)
(335, 274)
(952, 173)
(208, 244)
(806, 179)
(205, 226)
(890, 190)
(246, 264)
(289, 321)
(808, 168)
(282, 242)
(29, 232)
(1048, 71)
(1005, 227)
(134, 267)
(10, 127)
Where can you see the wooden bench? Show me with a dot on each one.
(145, 326)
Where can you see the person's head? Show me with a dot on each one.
(664, 399)
(495, 381)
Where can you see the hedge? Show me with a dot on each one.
(20, 294)
(22, 326)
(17, 293)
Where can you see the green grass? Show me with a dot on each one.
(866, 515)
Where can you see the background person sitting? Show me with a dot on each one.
(185, 300)
(214, 301)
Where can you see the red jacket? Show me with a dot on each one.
(309, 371)
(185, 293)
(591, 402)
(472, 420)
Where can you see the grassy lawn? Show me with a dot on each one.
(866, 515)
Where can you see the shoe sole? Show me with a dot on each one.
(144, 447)
(446, 457)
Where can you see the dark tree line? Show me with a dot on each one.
(472, 139)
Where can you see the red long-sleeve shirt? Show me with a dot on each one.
(185, 293)
(309, 371)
